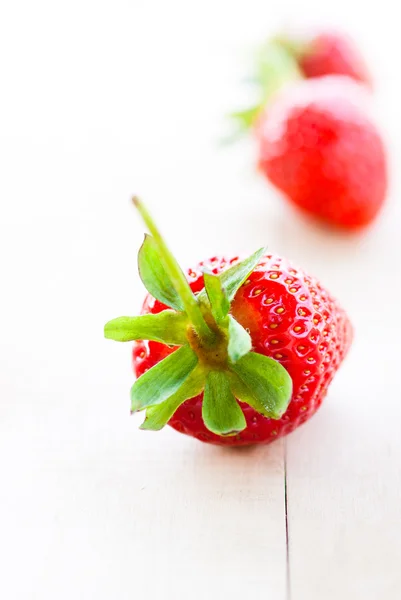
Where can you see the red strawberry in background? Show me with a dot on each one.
(242, 354)
(319, 146)
(328, 53)
(317, 141)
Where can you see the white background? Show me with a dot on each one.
(100, 100)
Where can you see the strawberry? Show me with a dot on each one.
(318, 145)
(317, 142)
(332, 53)
(236, 352)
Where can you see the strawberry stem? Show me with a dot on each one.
(178, 278)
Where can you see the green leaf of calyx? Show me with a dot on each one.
(247, 117)
(243, 393)
(264, 384)
(158, 416)
(167, 327)
(155, 276)
(175, 277)
(276, 66)
(235, 276)
(239, 340)
(164, 379)
(232, 279)
(221, 412)
(219, 302)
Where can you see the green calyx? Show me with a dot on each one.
(276, 66)
(214, 353)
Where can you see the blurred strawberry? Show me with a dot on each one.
(318, 145)
(317, 141)
(332, 53)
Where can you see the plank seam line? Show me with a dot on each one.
(287, 537)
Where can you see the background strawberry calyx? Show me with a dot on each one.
(276, 65)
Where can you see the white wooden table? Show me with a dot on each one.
(100, 100)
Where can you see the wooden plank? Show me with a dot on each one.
(344, 490)
(103, 510)
(343, 468)
(91, 506)
(166, 524)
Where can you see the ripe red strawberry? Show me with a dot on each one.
(317, 142)
(318, 145)
(332, 53)
(277, 339)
